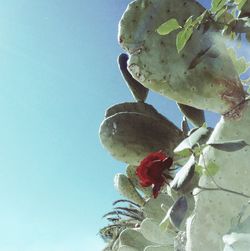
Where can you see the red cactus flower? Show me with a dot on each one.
(153, 170)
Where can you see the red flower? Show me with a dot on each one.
(153, 170)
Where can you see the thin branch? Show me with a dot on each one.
(218, 187)
(222, 189)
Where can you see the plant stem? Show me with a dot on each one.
(218, 187)
(222, 189)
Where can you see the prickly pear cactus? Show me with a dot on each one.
(187, 190)
(233, 173)
(132, 130)
(202, 75)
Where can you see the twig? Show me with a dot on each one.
(218, 187)
(222, 189)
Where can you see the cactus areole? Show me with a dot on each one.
(201, 75)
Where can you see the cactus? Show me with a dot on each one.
(127, 189)
(206, 205)
(131, 173)
(233, 173)
(138, 91)
(131, 131)
(196, 116)
(202, 75)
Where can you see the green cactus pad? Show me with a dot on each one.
(152, 231)
(130, 136)
(139, 107)
(153, 207)
(214, 210)
(131, 173)
(202, 75)
(126, 248)
(159, 248)
(133, 238)
(138, 91)
(126, 188)
(196, 116)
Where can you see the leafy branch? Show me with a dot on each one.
(218, 187)
(223, 16)
(191, 147)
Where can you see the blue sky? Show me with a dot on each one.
(58, 74)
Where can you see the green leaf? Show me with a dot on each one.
(186, 152)
(182, 38)
(188, 22)
(240, 3)
(185, 147)
(197, 150)
(217, 5)
(234, 13)
(199, 169)
(169, 26)
(232, 35)
(220, 13)
(211, 169)
(240, 64)
(246, 81)
(226, 18)
(166, 224)
(229, 146)
(199, 19)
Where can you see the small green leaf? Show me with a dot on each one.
(166, 224)
(188, 22)
(234, 13)
(169, 26)
(211, 169)
(199, 169)
(220, 13)
(182, 38)
(197, 150)
(240, 64)
(185, 153)
(199, 19)
(240, 3)
(226, 18)
(217, 5)
(229, 146)
(184, 149)
(232, 35)
(246, 81)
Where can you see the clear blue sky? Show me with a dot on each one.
(58, 74)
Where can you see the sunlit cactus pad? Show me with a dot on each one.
(201, 75)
